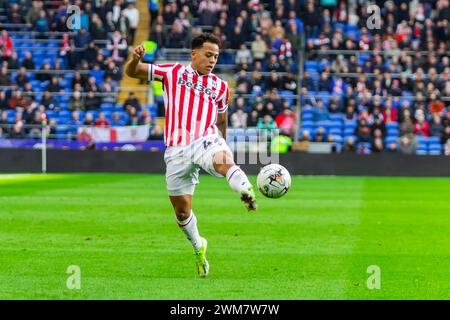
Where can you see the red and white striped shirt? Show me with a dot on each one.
(192, 102)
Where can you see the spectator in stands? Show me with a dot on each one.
(118, 46)
(267, 123)
(28, 62)
(252, 120)
(41, 24)
(48, 101)
(5, 78)
(243, 55)
(6, 45)
(110, 89)
(54, 85)
(350, 145)
(76, 102)
(18, 101)
(273, 82)
(363, 131)
(156, 133)
(3, 101)
(324, 83)
(208, 12)
(436, 105)
(45, 73)
(102, 121)
(4, 124)
(123, 26)
(133, 17)
(133, 101)
(89, 119)
(116, 120)
(320, 113)
(14, 14)
(239, 119)
(84, 136)
(274, 64)
(447, 148)
(259, 49)
(97, 28)
(408, 144)
(17, 131)
(178, 36)
(436, 127)
(75, 120)
(446, 134)
(286, 122)
(421, 127)
(34, 12)
(92, 102)
(145, 118)
(22, 77)
(320, 135)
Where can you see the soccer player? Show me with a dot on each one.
(196, 102)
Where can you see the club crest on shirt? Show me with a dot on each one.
(198, 87)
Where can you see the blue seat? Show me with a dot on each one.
(391, 139)
(347, 137)
(336, 117)
(421, 151)
(252, 132)
(435, 147)
(336, 131)
(390, 125)
(434, 140)
(349, 131)
(392, 132)
(325, 124)
(422, 140)
(350, 124)
(106, 107)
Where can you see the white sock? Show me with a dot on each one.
(238, 179)
(189, 228)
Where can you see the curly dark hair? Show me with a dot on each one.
(199, 40)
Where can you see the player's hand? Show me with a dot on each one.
(138, 52)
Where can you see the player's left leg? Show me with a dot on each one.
(215, 157)
(237, 179)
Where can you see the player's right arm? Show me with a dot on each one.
(134, 67)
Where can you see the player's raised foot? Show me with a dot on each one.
(249, 199)
(200, 259)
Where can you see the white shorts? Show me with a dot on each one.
(183, 163)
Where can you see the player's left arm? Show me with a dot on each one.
(222, 123)
(222, 116)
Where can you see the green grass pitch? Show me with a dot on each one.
(315, 243)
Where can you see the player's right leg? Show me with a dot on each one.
(187, 221)
(181, 178)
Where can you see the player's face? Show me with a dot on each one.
(204, 59)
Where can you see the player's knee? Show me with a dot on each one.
(222, 161)
(182, 214)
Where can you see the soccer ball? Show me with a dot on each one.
(274, 181)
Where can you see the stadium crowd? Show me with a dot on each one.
(377, 89)
(37, 48)
(365, 88)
